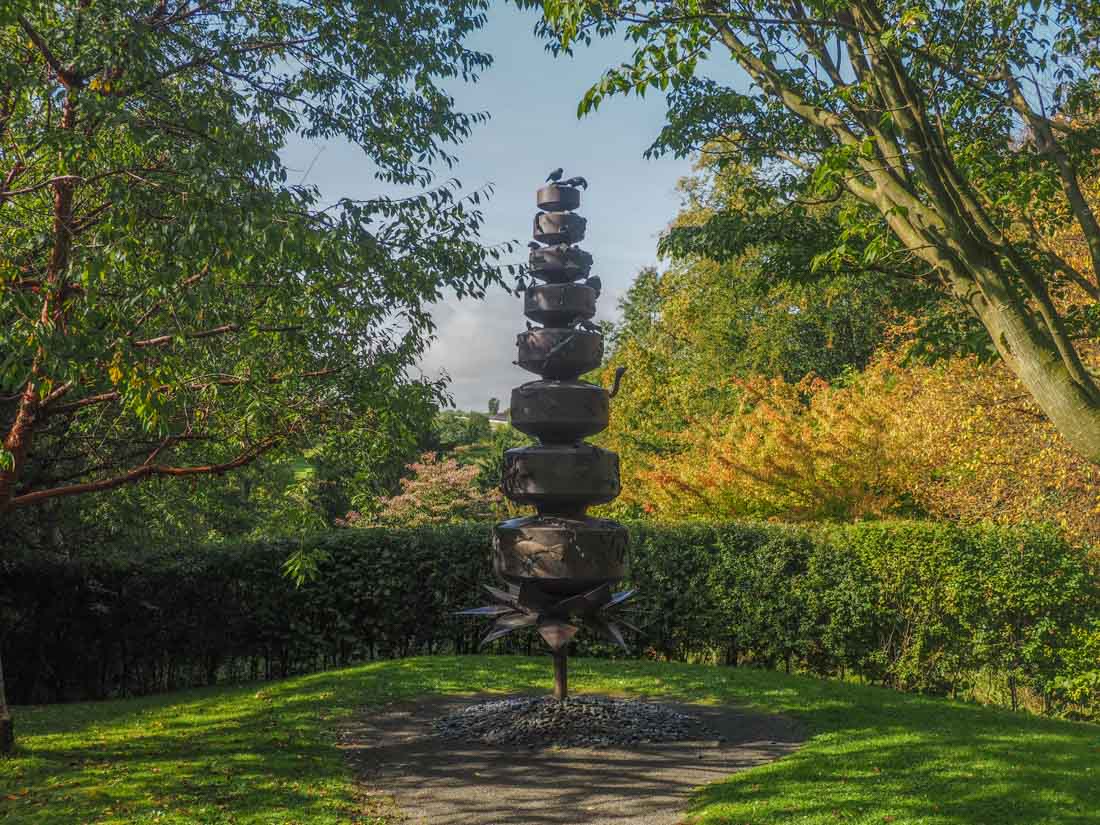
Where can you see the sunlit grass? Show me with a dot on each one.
(264, 753)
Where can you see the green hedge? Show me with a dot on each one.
(917, 606)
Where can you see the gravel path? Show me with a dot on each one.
(433, 758)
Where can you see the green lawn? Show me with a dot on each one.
(264, 753)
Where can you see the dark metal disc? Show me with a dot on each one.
(559, 556)
(559, 305)
(558, 227)
(559, 352)
(559, 264)
(560, 412)
(560, 478)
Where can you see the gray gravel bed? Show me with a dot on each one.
(577, 722)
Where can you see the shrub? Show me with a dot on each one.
(912, 605)
(440, 491)
(958, 440)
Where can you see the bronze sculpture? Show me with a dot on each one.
(558, 566)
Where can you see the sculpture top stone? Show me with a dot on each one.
(555, 198)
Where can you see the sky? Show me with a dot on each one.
(531, 98)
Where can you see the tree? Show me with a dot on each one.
(494, 406)
(966, 132)
(285, 495)
(455, 428)
(441, 491)
(488, 455)
(954, 440)
(728, 310)
(171, 305)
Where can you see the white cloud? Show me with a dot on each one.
(476, 345)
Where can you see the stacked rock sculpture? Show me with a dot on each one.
(558, 566)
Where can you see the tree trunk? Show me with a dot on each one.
(7, 727)
(18, 442)
(1026, 341)
(1034, 359)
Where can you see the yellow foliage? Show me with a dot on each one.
(100, 84)
(960, 439)
(114, 371)
(956, 440)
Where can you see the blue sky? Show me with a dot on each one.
(532, 99)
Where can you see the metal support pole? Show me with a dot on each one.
(561, 676)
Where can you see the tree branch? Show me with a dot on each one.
(219, 381)
(1048, 145)
(67, 77)
(162, 340)
(148, 470)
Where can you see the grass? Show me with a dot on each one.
(264, 753)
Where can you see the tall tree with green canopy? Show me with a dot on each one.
(172, 303)
(966, 130)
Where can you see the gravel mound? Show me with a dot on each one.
(578, 722)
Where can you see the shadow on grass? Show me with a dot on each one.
(881, 756)
(265, 752)
(255, 753)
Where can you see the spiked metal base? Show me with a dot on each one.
(556, 619)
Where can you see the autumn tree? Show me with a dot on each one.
(965, 132)
(439, 491)
(759, 307)
(958, 440)
(173, 301)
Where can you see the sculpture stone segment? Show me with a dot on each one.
(559, 304)
(563, 353)
(559, 228)
(555, 411)
(558, 566)
(559, 264)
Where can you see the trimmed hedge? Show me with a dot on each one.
(917, 606)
